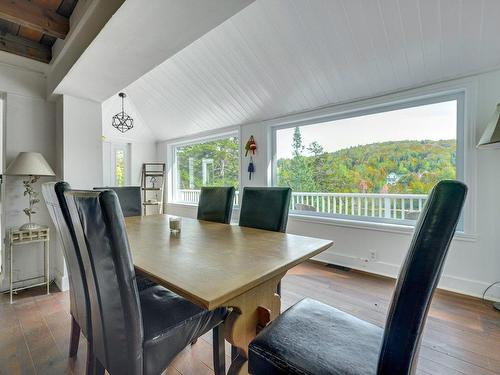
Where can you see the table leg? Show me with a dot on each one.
(246, 318)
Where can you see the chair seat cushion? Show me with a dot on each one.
(314, 338)
(170, 324)
(143, 282)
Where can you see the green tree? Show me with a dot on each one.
(297, 142)
(300, 174)
(214, 163)
(419, 165)
(316, 149)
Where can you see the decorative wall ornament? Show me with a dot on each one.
(121, 120)
(251, 168)
(250, 146)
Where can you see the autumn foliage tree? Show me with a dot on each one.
(419, 165)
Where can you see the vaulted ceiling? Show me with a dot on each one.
(277, 57)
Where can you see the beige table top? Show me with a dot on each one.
(210, 263)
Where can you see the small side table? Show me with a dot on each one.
(23, 237)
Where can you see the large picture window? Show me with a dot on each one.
(373, 166)
(213, 162)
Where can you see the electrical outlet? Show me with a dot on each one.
(373, 256)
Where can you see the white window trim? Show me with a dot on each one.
(464, 90)
(172, 158)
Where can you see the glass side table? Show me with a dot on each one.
(22, 237)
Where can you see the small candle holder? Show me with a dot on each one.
(174, 224)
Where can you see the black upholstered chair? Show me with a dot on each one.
(216, 204)
(53, 194)
(265, 208)
(133, 332)
(314, 338)
(79, 300)
(129, 197)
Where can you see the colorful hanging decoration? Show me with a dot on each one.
(251, 168)
(251, 146)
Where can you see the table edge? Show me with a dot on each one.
(220, 301)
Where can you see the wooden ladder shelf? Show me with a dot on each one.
(153, 186)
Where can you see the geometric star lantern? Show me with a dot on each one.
(122, 121)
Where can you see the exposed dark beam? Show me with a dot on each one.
(26, 13)
(25, 47)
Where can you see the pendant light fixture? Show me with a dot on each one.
(122, 121)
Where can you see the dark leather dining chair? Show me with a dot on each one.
(129, 197)
(314, 338)
(78, 293)
(133, 332)
(265, 208)
(216, 204)
(53, 194)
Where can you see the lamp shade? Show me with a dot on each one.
(29, 164)
(491, 136)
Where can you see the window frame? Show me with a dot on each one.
(172, 196)
(385, 106)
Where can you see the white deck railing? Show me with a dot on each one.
(193, 196)
(386, 206)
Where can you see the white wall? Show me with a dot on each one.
(141, 152)
(473, 262)
(82, 142)
(29, 126)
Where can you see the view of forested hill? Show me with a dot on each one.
(393, 167)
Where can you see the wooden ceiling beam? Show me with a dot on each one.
(26, 13)
(24, 47)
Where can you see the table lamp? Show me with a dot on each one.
(33, 165)
(491, 139)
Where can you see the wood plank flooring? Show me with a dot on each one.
(462, 335)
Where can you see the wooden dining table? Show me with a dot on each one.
(219, 265)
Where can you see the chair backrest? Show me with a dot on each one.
(265, 208)
(216, 204)
(129, 198)
(53, 194)
(117, 329)
(419, 277)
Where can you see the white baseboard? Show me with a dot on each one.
(460, 285)
(470, 287)
(379, 268)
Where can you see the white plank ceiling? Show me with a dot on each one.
(278, 57)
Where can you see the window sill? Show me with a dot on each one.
(185, 204)
(352, 224)
(365, 225)
(182, 204)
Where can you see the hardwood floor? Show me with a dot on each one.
(462, 335)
